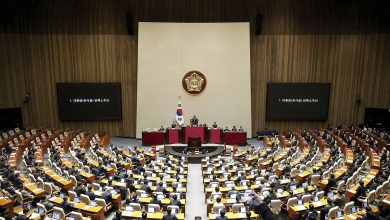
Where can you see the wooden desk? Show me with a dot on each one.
(294, 212)
(31, 214)
(33, 188)
(157, 215)
(95, 212)
(64, 183)
(386, 202)
(366, 180)
(232, 215)
(7, 202)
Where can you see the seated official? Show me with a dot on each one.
(169, 215)
(162, 129)
(234, 128)
(240, 129)
(173, 124)
(90, 194)
(67, 207)
(175, 201)
(215, 125)
(222, 215)
(161, 188)
(194, 121)
(118, 215)
(226, 129)
(155, 200)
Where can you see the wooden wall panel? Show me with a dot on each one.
(43, 60)
(355, 65)
(345, 43)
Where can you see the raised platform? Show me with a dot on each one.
(211, 150)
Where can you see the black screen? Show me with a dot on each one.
(377, 117)
(11, 118)
(297, 101)
(89, 101)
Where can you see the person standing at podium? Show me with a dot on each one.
(194, 121)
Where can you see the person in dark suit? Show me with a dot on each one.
(79, 189)
(324, 211)
(360, 194)
(169, 215)
(194, 121)
(90, 194)
(155, 200)
(118, 215)
(145, 187)
(67, 207)
(222, 215)
(215, 125)
(161, 188)
(174, 201)
(234, 128)
(107, 196)
(331, 183)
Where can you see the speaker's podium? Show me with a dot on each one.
(194, 132)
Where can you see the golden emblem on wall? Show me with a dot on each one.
(194, 82)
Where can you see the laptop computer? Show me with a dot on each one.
(263, 171)
(330, 195)
(150, 210)
(62, 195)
(129, 208)
(71, 218)
(243, 210)
(174, 211)
(56, 215)
(353, 210)
(233, 196)
(339, 214)
(41, 211)
(160, 196)
(293, 187)
(300, 202)
(280, 191)
(315, 199)
(93, 203)
(76, 200)
(122, 180)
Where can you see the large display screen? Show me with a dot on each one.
(89, 101)
(297, 101)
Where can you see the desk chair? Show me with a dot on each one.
(315, 179)
(41, 206)
(76, 215)
(155, 207)
(218, 207)
(135, 206)
(102, 203)
(72, 195)
(276, 205)
(59, 211)
(320, 194)
(340, 186)
(348, 206)
(306, 198)
(174, 207)
(332, 212)
(292, 202)
(85, 199)
(237, 207)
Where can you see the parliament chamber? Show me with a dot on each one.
(194, 110)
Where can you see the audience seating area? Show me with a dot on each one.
(328, 173)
